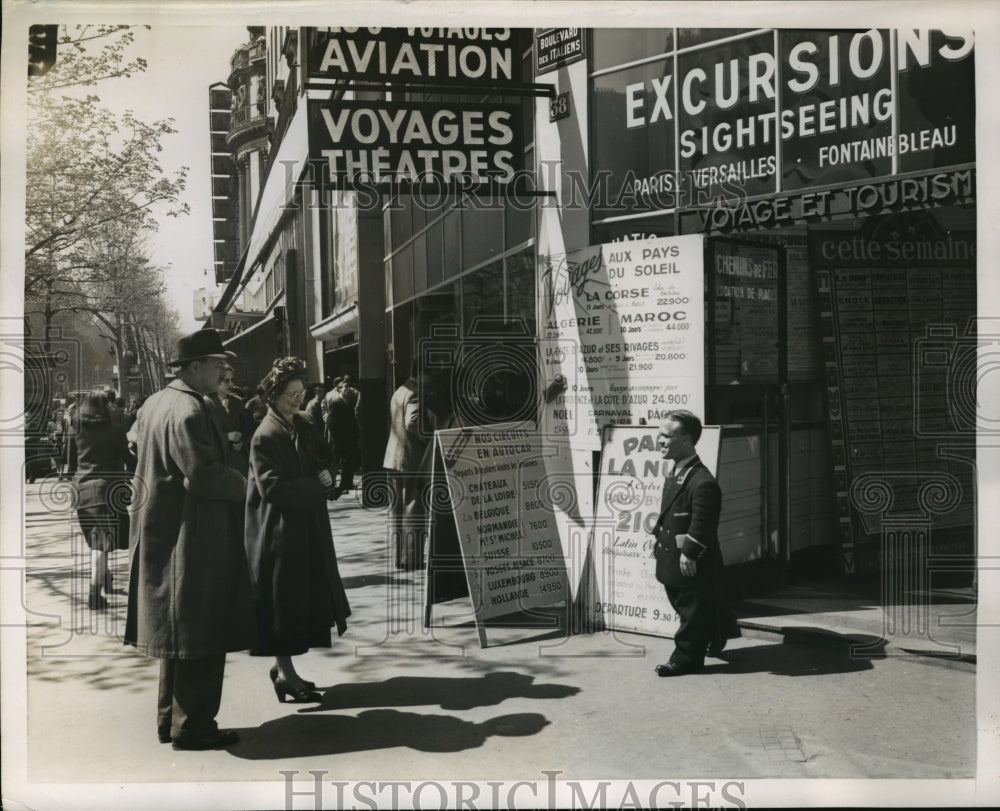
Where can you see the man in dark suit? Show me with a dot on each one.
(688, 559)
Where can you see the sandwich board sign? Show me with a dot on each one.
(496, 528)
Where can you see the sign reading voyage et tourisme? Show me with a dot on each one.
(507, 533)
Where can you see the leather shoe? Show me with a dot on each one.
(163, 734)
(219, 739)
(674, 669)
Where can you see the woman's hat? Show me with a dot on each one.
(205, 343)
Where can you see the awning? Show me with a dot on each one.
(340, 323)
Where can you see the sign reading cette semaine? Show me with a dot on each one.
(426, 55)
(623, 323)
(687, 129)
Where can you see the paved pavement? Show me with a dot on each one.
(404, 703)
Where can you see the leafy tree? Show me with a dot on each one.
(78, 64)
(90, 169)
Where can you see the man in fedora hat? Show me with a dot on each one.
(189, 599)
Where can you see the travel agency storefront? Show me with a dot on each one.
(832, 174)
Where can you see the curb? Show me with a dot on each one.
(822, 637)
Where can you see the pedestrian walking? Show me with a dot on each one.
(313, 403)
(343, 432)
(350, 394)
(98, 464)
(298, 591)
(688, 559)
(189, 593)
(403, 460)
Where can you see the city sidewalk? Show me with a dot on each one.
(401, 702)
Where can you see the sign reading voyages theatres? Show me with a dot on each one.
(624, 324)
(373, 142)
(414, 142)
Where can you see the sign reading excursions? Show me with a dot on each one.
(763, 114)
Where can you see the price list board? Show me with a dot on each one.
(508, 539)
(623, 323)
(879, 300)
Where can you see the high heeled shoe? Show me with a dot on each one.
(309, 685)
(95, 601)
(283, 690)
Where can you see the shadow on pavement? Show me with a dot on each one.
(448, 693)
(790, 659)
(358, 581)
(306, 736)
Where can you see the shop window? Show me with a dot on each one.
(452, 243)
(482, 232)
(686, 37)
(625, 152)
(418, 213)
(482, 294)
(400, 223)
(402, 274)
(435, 261)
(616, 46)
(419, 253)
(520, 288)
(519, 219)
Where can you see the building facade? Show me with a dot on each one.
(832, 174)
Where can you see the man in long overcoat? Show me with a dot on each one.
(189, 592)
(688, 558)
(404, 455)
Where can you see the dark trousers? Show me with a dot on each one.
(696, 610)
(190, 694)
(348, 459)
(408, 521)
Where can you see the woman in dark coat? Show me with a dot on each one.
(298, 591)
(98, 458)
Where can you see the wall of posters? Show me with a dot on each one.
(883, 295)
